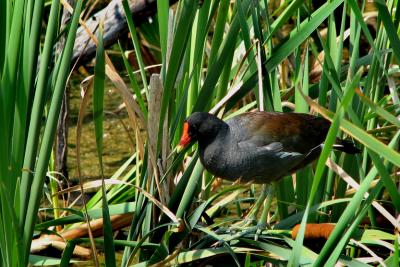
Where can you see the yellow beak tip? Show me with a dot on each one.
(179, 148)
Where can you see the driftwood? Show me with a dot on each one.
(59, 241)
(114, 25)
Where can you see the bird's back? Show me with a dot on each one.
(264, 146)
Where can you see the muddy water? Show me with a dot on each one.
(117, 145)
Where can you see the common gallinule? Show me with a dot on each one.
(258, 146)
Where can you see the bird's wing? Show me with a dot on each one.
(290, 132)
(278, 163)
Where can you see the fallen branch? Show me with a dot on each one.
(59, 241)
(114, 25)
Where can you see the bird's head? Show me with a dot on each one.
(199, 126)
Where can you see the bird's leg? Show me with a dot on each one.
(247, 225)
(251, 217)
(262, 223)
(267, 193)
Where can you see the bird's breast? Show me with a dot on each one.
(226, 161)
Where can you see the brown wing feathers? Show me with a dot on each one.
(297, 132)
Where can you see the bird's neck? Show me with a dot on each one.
(215, 146)
(214, 152)
(217, 138)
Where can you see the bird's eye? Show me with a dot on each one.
(192, 129)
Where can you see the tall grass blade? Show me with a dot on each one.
(98, 117)
(136, 45)
(348, 213)
(303, 32)
(163, 17)
(328, 144)
(35, 122)
(49, 132)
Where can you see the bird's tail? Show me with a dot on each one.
(346, 146)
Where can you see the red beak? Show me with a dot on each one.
(185, 139)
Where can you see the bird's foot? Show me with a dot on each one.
(259, 228)
(248, 221)
(249, 231)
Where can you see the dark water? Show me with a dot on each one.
(117, 145)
